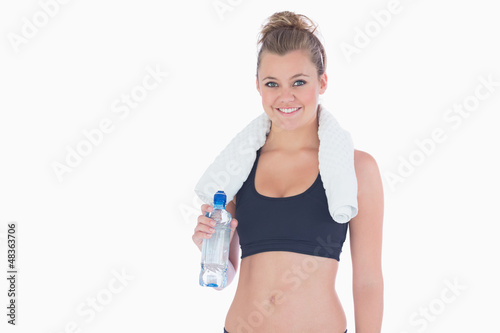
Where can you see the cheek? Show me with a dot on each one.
(269, 96)
(305, 96)
(308, 96)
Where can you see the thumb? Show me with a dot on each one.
(234, 224)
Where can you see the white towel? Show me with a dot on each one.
(336, 165)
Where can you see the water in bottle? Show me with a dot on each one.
(215, 250)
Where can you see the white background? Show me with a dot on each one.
(129, 206)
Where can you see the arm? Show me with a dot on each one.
(234, 248)
(366, 246)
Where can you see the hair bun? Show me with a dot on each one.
(286, 31)
(287, 20)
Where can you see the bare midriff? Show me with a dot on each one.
(288, 292)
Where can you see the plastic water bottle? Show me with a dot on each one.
(215, 250)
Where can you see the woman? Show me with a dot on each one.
(294, 290)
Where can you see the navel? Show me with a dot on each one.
(277, 297)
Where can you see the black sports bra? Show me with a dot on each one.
(300, 223)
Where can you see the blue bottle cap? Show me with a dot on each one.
(220, 199)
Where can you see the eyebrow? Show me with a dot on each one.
(296, 75)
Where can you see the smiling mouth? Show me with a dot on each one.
(288, 110)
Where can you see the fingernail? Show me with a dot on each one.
(212, 223)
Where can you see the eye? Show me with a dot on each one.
(274, 84)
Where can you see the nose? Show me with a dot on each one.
(286, 95)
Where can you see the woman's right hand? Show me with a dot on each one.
(204, 229)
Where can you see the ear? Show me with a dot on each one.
(257, 85)
(323, 83)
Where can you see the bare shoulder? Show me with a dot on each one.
(366, 227)
(359, 155)
(370, 188)
(364, 163)
(367, 170)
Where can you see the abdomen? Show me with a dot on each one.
(286, 292)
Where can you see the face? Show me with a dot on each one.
(290, 82)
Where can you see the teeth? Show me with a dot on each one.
(288, 110)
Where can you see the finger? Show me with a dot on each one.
(234, 224)
(205, 235)
(206, 208)
(200, 235)
(202, 219)
(204, 228)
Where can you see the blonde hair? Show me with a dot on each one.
(286, 31)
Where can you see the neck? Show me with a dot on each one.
(305, 137)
